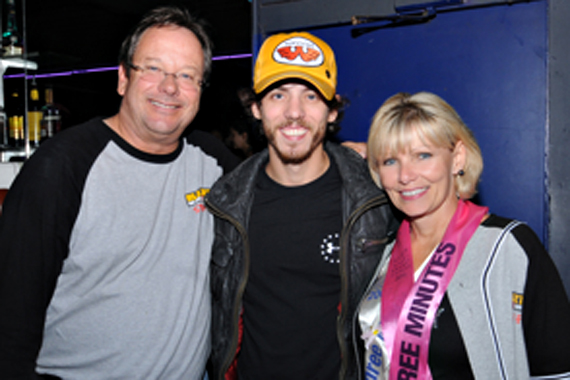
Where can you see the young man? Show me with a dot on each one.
(104, 238)
(299, 228)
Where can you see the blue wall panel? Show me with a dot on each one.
(490, 64)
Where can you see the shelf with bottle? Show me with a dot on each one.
(16, 143)
(19, 130)
(29, 123)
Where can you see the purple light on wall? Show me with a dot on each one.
(110, 68)
(235, 56)
(63, 73)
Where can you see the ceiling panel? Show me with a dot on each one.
(80, 33)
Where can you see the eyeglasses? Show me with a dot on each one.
(154, 74)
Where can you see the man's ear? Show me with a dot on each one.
(255, 111)
(123, 80)
(334, 113)
(332, 116)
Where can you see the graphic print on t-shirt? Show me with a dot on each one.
(195, 199)
(330, 248)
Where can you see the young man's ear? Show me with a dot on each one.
(255, 111)
(334, 113)
(332, 116)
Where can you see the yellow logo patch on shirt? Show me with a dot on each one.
(195, 199)
(517, 302)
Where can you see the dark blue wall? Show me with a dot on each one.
(490, 64)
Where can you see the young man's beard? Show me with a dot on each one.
(301, 157)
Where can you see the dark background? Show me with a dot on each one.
(65, 35)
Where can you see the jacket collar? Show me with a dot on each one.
(233, 193)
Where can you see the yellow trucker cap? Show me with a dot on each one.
(297, 55)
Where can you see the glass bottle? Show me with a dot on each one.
(51, 118)
(11, 38)
(34, 115)
(16, 135)
(3, 129)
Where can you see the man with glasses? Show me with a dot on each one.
(104, 238)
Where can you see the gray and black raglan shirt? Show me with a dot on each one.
(112, 246)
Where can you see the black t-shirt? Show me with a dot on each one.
(292, 295)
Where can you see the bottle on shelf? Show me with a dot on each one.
(51, 118)
(34, 115)
(12, 43)
(3, 129)
(16, 132)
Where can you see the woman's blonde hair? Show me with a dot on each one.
(426, 115)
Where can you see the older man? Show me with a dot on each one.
(104, 238)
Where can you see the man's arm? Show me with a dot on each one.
(35, 225)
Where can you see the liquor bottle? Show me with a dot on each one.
(51, 118)
(11, 38)
(34, 115)
(16, 136)
(3, 129)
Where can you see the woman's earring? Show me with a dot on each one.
(461, 173)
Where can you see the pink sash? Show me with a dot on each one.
(408, 309)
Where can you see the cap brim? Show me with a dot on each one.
(324, 88)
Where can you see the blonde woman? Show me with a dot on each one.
(462, 293)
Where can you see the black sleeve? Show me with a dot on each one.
(37, 218)
(546, 310)
(215, 148)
